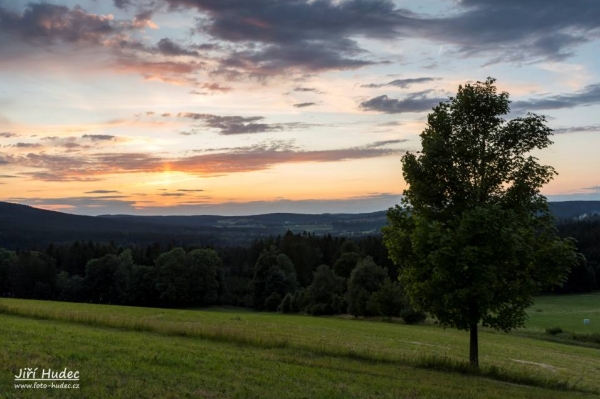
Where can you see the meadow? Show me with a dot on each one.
(130, 352)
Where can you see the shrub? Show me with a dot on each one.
(388, 301)
(554, 330)
(272, 302)
(286, 304)
(412, 316)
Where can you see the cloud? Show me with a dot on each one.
(26, 145)
(172, 194)
(98, 137)
(48, 23)
(292, 58)
(174, 72)
(69, 167)
(167, 47)
(590, 95)
(7, 177)
(415, 102)
(7, 135)
(143, 20)
(402, 83)
(577, 129)
(304, 105)
(190, 191)
(323, 33)
(122, 4)
(306, 89)
(231, 125)
(211, 88)
(102, 192)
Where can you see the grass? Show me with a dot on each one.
(337, 341)
(566, 312)
(128, 364)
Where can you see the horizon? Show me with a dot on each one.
(152, 213)
(195, 107)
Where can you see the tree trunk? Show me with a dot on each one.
(474, 347)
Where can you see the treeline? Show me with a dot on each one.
(585, 277)
(290, 273)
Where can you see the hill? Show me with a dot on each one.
(23, 226)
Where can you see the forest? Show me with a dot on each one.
(294, 272)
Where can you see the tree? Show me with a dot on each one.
(365, 279)
(346, 263)
(188, 279)
(475, 238)
(326, 291)
(273, 273)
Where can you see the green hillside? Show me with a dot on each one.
(129, 352)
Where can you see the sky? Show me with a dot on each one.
(236, 107)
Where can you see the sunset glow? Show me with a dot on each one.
(240, 107)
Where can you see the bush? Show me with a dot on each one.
(272, 302)
(388, 301)
(554, 330)
(286, 304)
(301, 300)
(412, 316)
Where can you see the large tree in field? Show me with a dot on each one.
(475, 239)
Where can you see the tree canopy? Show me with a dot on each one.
(474, 239)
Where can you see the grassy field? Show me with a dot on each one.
(566, 312)
(132, 352)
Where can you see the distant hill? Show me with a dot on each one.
(23, 226)
(574, 209)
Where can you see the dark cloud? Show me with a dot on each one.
(230, 125)
(518, 31)
(48, 23)
(590, 95)
(403, 83)
(172, 195)
(294, 57)
(415, 102)
(190, 191)
(98, 137)
(295, 35)
(7, 135)
(383, 143)
(593, 188)
(102, 192)
(26, 145)
(577, 129)
(8, 177)
(323, 32)
(304, 105)
(167, 47)
(122, 4)
(306, 89)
